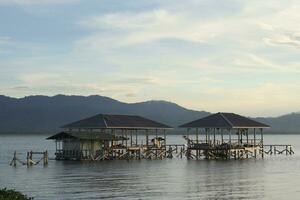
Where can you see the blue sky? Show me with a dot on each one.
(230, 55)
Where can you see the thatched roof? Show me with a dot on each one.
(104, 121)
(224, 120)
(85, 136)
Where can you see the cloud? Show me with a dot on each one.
(272, 98)
(132, 80)
(206, 54)
(255, 63)
(4, 39)
(151, 26)
(126, 88)
(20, 88)
(291, 40)
(36, 2)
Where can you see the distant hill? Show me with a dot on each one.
(289, 123)
(43, 114)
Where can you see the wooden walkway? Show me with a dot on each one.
(274, 149)
(206, 151)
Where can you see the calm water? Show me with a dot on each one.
(276, 177)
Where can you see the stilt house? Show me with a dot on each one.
(224, 135)
(111, 137)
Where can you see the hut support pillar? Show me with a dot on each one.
(238, 137)
(197, 140)
(262, 143)
(229, 137)
(156, 136)
(165, 143)
(206, 137)
(131, 142)
(254, 143)
(222, 136)
(147, 143)
(136, 138)
(214, 137)
(188, 153)
(126, 141)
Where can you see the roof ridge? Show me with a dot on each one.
(226, 119)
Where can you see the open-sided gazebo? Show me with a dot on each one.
(224, 135)
(106, 136)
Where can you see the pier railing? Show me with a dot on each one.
(273, 149)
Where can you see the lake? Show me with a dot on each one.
(275, 177)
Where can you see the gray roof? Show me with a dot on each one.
(105, 121)
(224, 120)
(85, 136)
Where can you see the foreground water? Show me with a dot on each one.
(275, 177)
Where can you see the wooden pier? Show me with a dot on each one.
(224, 152)
(273, 149)
(29, 159)
(229, 136)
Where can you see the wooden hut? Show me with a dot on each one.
(82, 145)
(224, 136)
(106, 136)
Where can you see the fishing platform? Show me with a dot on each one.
(227, 136)
(108, 137)
(129, 137)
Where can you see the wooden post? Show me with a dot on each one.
(27, 159)
(230, 137)
(209, 137)
(131, 138)
(247, 136)
(14, 161)
(147, 138)
(238, 137)
(45, 157)
(147, 143)
(122, 137)
(214, 136)
(136, 138)
(262, 142)
(222, 136)
(30, 157)
(126, 141)
(197, 140)
(180, 152)
(165, 143)
(56, 146)
(156, 135)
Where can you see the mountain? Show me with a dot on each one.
(289, 123)
(43, 114)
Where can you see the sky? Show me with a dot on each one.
(230, 55)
